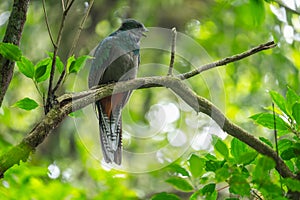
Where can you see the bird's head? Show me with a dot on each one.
(133, 26)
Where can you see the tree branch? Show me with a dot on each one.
(75, 41)
(173, 47)
(47, 23)
(227, 60)
(71, 102)
(80, 28)
(12, 35)
(50, 94)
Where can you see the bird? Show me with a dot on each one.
(116, 58)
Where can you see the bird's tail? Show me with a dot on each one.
(110, 126)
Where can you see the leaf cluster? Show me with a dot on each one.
(40, 72)
(236, 170)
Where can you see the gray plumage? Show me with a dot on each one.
(116, 59)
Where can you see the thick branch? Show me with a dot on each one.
(69, 103)
(12, 35)
(72, 102)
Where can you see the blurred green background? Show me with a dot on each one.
(68, 164)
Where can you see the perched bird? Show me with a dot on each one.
(116, 59)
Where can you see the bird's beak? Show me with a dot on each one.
(144, 30)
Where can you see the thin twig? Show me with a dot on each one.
(173, 49)
(66, 2)
(80, 28)
(63, 5)
(69, 6)
(227, 60)
(275, 130)
(276, 143)
(47, 23)
(222, 188)
(50, 94)
(75, 41)
(39, 91)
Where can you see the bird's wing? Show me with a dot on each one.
(106, 53)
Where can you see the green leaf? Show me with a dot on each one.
(212, 165)
(247, 157)
(26, 67)
(239, 185)
(279, 101)
(180, 184)
(197, 165)
(292, 151)
(290, 165)
(199, 195)
(70, 62)
(26, 104)
(284, 144)
(292, 184)
(210, 157)
(222, 174)
(58, 63)
(291, 99)
(266, 141)
(208, 189)
(267, 120)
(178, 169)
(213, 196)
(165, 196)
(296, 113)
(270, 190)
(76, 114)
(288, 154)
(258, 11)
(10, 51)
(297, 162)
(244, 171)
(196, 195)
(79, 63)
(264, 164)
(237, 147)
(241, 152)
(221, 147)
(42, 70)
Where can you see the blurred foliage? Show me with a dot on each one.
(178, 154)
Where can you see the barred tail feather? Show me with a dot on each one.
(118, 151)
(110, 135)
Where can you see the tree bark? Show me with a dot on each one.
(72, 102)
(12, 35)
